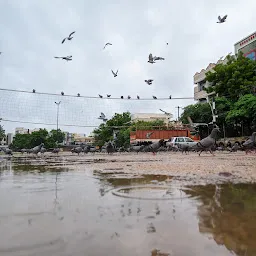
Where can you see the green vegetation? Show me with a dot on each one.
(122, 125)
(235, 84)
(50, 139)
(2, 132)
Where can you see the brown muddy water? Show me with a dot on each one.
(58, 212)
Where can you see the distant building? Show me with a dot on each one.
(9, 138)
(200, 83)
(21, 130)
(35, 130)
(148, 117)
(82, 138)
(247, 46)
(68, 139)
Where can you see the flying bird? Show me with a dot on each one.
(106, 45)
(138, 97)
(158, 58)
(154, 97)
(69, 37)
(166, 43)
(100, 96)
(102, 117)
(65, 58)
(222, 20)
(108, 95)
(149, 81)
(0, 53)
(151, 59)
(114, 74)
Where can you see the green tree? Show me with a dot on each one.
(38, 137)
(2, 132)
(57, 135)
(243, 111)
(234, 79)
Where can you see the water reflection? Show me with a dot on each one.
(228, 214)
(59, 212)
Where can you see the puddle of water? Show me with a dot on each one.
(55, 212)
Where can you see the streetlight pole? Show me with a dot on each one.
(58, 106)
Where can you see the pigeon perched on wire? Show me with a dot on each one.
(129, 97)
(108, 95)
(100, 96)
(102, 117)
(62, 93)
(69, 37)
(158, 58)
(122, 97)
(154, 97)
(207, 143)
(106, 45)
(78, 95)
(138, 97)
(170, 97)
(34, 91)
(114, 74)
(223, 19)
(149, 81)
(151, 59)
(68, 58)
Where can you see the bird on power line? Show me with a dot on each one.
(114, 74)
(222, 20)
(69, 37)
(62, 93)
(170, 97)
(100, 96)
(138, 97)
(106, 45)
(78, 95)
(154, 97)
(128, 97)
(34, 91)
(122, 97)
(108, 95)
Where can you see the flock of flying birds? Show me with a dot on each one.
(151, 60)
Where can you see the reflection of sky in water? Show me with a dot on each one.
(40, 108)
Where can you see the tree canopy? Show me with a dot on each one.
(50, 139)
(234, 79)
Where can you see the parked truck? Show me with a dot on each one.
(155, 135)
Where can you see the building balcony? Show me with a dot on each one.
(199, 94)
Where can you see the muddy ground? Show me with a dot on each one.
(205, 169)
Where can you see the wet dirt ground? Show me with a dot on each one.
(127, 205)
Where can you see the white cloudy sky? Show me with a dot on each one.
(31, 32)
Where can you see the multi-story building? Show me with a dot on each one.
(21, 130)
(147, 117)
(247, 46)
(200, 83)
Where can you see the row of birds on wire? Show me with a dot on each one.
(109, 96)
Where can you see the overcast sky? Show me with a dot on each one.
(31, 32)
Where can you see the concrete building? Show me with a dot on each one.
(35, 130)
(21, 130)
(9, 138)
(148, 117)
(247, 46)
(200, 83)
(82, 138)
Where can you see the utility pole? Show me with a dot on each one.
(178, 112)
(213, 107)
(58, 106)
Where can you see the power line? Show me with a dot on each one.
(94, 97)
